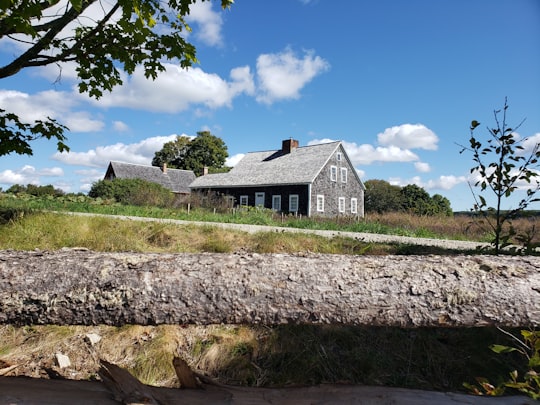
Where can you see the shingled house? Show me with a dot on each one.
(176, 180)
(310, 180)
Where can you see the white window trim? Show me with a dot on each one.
(291, 198)
(343, 174)
(338, 156)
(341, 204)
(320, 203)
(354, 205)
(275, 198)
(246, 198)
(333, 173)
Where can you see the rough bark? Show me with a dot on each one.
(83, 287)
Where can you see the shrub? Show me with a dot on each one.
(132, 192)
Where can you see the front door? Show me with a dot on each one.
(259, 199)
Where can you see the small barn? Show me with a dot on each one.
(309, 180)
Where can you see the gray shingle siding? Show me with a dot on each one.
(176, 180)
(332, 190)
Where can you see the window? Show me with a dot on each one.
(259, 199)
(341, 204)
(343, 172)
(244, 200)
(320, 203)
(333, 173)
(338, 156)
(276, 202)
(293, 203)
(354, 205)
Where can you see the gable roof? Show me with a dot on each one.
(300, 166)
(176, 180)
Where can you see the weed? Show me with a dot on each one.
(529, 383)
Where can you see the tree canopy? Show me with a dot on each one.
(382, 197)
(205, 150)
(102, 38)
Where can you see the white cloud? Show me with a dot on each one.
(175, 89)
(366, 154)
(120, 126)
(209, 21)
(140, 153)
(422, 167)
(529, 144)
(28, 175)
(231, 161)
(53, 104)
(281, 76)
(409, 136)
(441, 183)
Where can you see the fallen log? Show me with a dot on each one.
(79, 287)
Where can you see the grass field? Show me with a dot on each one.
(438, 359)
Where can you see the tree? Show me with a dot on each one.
(381, 197)
(416, 200)
(205, 150)
(124, 36)
(172, 153)
(502, 168)
(441, 205)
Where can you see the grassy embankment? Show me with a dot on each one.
(440, 359)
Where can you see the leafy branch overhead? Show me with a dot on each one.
(126, 35)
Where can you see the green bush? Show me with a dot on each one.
(132, 192)
(38, 191)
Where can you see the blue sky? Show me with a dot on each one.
(397, 81)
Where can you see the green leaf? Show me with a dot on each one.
(474, 124)
(77, 4)
(502, 349)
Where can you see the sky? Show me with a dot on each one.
(398, 82)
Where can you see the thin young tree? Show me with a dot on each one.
(503, 166)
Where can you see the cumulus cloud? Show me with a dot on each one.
(28, 175)
(529, 144)
(87, 177)
(53, 104)
(282, 76)
(366, 154)
(209, 23)
(422, 167)
(409, 136)
(140, 153)
(120, 126)
(232, 161)
(440, 183)
(176, 89)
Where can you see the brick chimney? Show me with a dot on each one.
(288, 145)
(164, 168)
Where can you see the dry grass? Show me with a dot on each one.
(287, 355)
(436, 359)
(460, 227)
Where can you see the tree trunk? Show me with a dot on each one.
(73, 287)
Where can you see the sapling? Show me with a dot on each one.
(502, 166)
